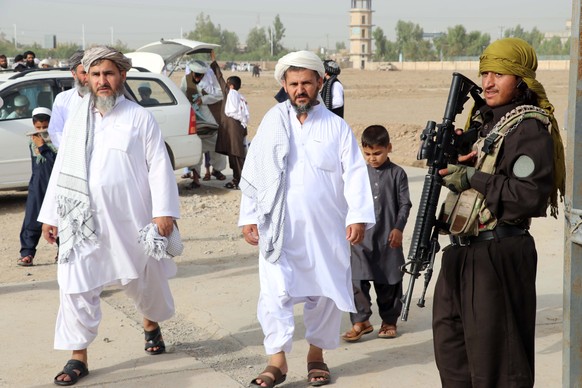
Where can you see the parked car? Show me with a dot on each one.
(168, 54)
(167, 103)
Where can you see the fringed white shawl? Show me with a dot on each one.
(76, 222)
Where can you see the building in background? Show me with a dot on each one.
(360, 33)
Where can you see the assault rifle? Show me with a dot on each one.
(439, 147)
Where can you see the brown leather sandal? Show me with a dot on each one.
(318, 370)
(387, 331)
(357, 331)
(276, 372)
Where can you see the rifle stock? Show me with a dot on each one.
(439, 149)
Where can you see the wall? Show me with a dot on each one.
(458, 65)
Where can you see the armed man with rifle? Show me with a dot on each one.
(485, 297)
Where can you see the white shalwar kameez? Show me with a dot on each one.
(327, 189)
(64, 103)
(130, 182)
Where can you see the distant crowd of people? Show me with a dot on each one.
(26, 60)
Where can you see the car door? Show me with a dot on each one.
(15, 160)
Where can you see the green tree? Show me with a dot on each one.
(229, 43)
(340, 46)
(456, 42)
(278, 33)
(257, 42)
(380, 43)
(552, 46)
(410, 42)
(206, 31)
(533, 37)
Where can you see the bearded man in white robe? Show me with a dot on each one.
(67, 101)
(306, 198)
(112, 178)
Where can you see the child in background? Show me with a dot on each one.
(43, 154)
(379, 257)
(233, 123)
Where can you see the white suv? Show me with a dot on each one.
(167, 103)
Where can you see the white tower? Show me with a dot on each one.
(360, 33)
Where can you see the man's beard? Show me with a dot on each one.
(304, 108)
(82, 90)
(105, 104)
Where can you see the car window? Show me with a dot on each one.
(150, 92)
(20, 100)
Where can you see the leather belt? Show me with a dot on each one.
(501, 231)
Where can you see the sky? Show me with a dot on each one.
(309, 24)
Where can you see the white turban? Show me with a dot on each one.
(104, 52)
(198, 66)
(305, 59)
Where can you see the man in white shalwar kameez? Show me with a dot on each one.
(68, 101)
(306, 198)
(97, 211)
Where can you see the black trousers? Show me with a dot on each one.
(484, 314)
(236, 164)
(388, 298)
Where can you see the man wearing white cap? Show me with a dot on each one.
(43, 154)
(21, 105)
(306, 198)
(202, 88)
(112, 179)
(67, 101)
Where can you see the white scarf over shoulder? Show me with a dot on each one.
(76, 221)
(264, 177)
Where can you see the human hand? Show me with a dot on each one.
(37, 139)
(165, 225)
(251, 234)
(212, 55)
(456, 177)
(395, 238)
(355, 233)
(468, 158)
(50, 233)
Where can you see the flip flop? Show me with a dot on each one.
(25, 261)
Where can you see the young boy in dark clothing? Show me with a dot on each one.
(379, 257)
(43, 154)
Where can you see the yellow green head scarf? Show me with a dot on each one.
(515, 56)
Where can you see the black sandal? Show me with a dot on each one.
(154, 340)
(218, 175)
(232, 185)
(70, 370)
